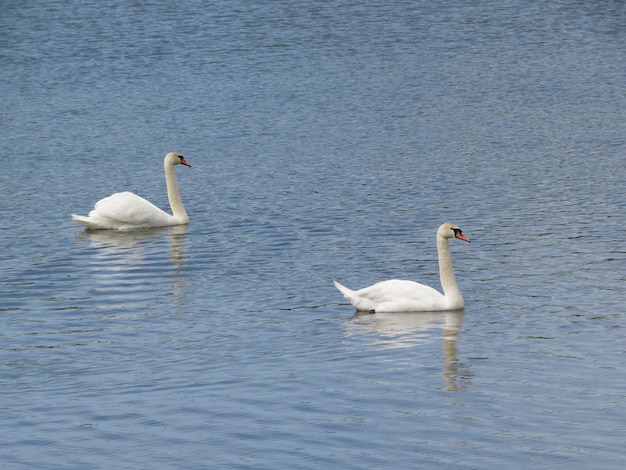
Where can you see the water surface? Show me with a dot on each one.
(328, 141)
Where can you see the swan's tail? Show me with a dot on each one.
(347, 293)
(81, 219)
(85, 221)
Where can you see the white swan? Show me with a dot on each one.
(408, 296)
(126, 211)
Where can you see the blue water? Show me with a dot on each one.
(328, 141)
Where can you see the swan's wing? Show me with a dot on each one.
(397, 288)
(398, 295)
(128, 208)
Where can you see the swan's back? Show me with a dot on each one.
(125, 210)
(395, 295)
(128, 208)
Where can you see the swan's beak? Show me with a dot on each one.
(184, 162)
(460, 236)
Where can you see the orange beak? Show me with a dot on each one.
(460, 236)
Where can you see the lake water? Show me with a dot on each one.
(328, 141)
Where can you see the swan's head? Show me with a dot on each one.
(175, 158)
(450, 230)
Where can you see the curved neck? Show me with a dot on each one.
(173, 195)
(446, 272)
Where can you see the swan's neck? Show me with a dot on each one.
(446, 273)
(173, 194)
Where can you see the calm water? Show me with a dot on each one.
(328, 141)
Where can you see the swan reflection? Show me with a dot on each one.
(405, 330)
(126, 264)
(131, 244)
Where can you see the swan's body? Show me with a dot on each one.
(127, 211)
(407, 296)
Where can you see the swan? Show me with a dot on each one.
(407, 296)
(127, 211)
